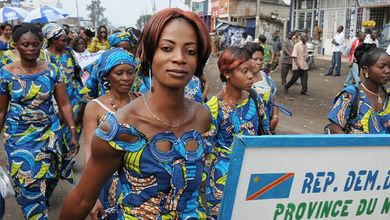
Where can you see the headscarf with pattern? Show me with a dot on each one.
(114, 39)
(112, 58)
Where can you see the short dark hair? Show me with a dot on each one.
(253, 47)
(262, 38)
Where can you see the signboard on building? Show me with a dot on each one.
(223, 8)
(198, 8)
(15, 3)
(214, 8)
(308, 177)
(373, 3)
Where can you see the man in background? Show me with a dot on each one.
(353, 66)
(338, 46)
(276, 46)
(286, 60)
(317, 38)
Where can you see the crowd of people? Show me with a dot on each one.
(141, 103)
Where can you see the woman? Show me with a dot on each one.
(58, 53)
(5, 38)
(158, 151)
(32, 129)
(264, 85)
(100, 42)
(117, 70)
(121, 40)
(373, 116)
(233, 112)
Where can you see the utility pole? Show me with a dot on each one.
(169, 3)
(257, 28)
(78, 17)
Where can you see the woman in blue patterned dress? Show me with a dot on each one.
(155, 142)
(117, 71)
(32, 129)
(57, 52)
(233, 112)
(5, 38)
(264, 85)
(373, 112)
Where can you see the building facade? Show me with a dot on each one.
(332, 13)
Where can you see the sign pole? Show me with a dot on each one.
(257, 32)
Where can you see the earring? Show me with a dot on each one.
(366, 75)
(227, 77)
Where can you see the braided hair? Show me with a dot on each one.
(23, 28)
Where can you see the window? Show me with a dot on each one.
(323, 4)
(329, 24)
(301, 21)
(378, 15)
(359, 18)
(309, 17)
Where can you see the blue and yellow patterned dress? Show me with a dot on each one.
(8, 57)
(33, 137)
(155, 184)
(67, 64)
(368, 121)
(4, 46)
(266, 89)
(227, 123)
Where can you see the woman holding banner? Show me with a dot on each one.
(234, 111)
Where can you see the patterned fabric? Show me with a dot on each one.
(155, 184)
(368, 120)
(267, 53)
(4, 46)
(192, 90)
(52, 30)
(115, 39)
(8, 57)
(226, 124)
(96, 45)
(266, 89)
(94, 88)
(32, 135)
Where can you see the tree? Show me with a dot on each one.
(97, 13)
(142, 21)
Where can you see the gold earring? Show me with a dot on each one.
(227, 77)
(366, 75)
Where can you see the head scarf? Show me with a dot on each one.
(112, 58)
(114, 39)
(52, 30)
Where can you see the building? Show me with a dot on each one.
(332, 13)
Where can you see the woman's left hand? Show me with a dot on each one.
(74, 146)
(273, 122)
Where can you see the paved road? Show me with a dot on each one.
(309, 118)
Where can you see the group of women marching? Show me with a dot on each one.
(146, 151)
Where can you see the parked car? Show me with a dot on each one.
(384, 37)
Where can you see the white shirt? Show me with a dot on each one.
(369, 40)
(388, 50)
(340, 39)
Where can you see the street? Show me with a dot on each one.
(309, 117)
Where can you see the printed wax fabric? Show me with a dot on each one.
(266, 89)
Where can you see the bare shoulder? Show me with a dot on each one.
(202, 115)
(10, 67)
(131, 112)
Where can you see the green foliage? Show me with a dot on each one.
(96, 13)
(141, 21)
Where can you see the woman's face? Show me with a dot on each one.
(176, 56)
(7, 31)
(380, 71)
(257, 62)
(28, 46)
(61, 42)
(124, 45)
(241, 77)
(80, 46)
(121, 78)
(103, 32)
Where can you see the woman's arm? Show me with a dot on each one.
(275, 116)
(103, 162)
(3, 109)
(66, 109)
(90, 124)
(335, 128)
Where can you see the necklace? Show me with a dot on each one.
(112, 101)
(234, 106)
(378, 95)
(25, 72)
(161, 121)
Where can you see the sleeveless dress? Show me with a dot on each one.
(155, 184)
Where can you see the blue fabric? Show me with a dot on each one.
(368, 121)
(336, 61)
(114, 39)
(155, 184)
(352, 74)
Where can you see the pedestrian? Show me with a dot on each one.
(245, 39)
(296, 37)
(264, 85)
(79, 47)
(317, 37)
(353, 73)
(268, 54)
(233, 112)
(300, 66)
(100, 42)
(88, 35)
(117, 70)
(234, 41)
(286, 61)
(6, 38)
(372, 115)
(155, 142)
(121, 40)
(276, 46)
(222, 41)
(338, 46)
(372, 38)
(57, 52)
(33, 147)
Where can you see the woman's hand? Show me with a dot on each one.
(273, 122)
(74, 145)
(96, 210)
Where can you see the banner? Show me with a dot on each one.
(214, 8)
(372, 3)
(308, 177)
(84, 59)
(223, 8)
(198, 8)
